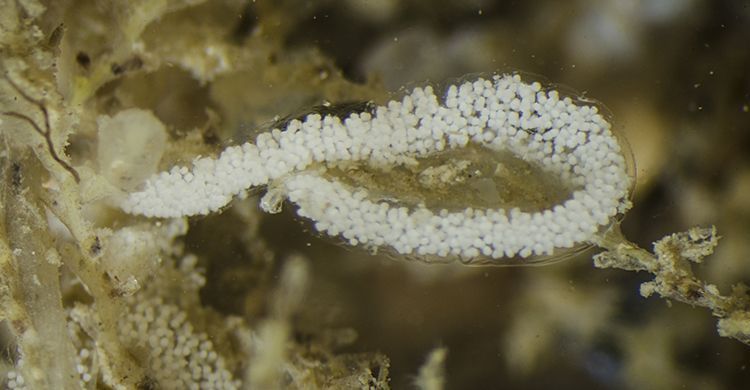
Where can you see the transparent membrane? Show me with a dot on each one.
(477, 177)
(456, 179)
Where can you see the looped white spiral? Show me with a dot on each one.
(503, 113)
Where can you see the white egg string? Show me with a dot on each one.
(575, 142)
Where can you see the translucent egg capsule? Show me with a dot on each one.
(496, 170)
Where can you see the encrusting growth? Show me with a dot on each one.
(674, 279)
(504, 114)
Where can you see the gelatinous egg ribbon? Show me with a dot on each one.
(571, 140)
